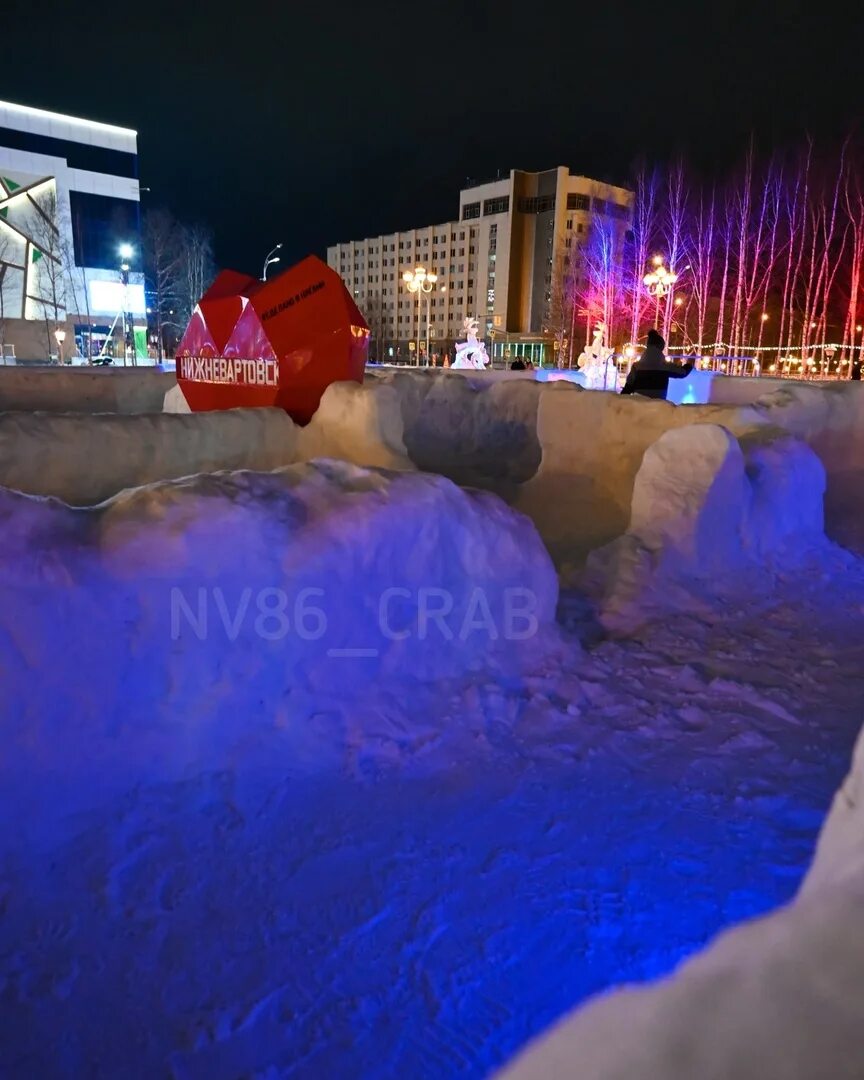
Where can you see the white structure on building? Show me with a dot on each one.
(498, 263)
(70, 251)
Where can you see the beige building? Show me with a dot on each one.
(497, 263)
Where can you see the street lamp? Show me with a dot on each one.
(272, 257)
(61, 337)
(659, 283)
(420, 282)
(126, 251)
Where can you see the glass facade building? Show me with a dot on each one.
(69, 205)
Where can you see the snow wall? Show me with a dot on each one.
(205, 596)
(566, 457)
(776, 997)
(85, 390)
(708, 510)
(85, 459)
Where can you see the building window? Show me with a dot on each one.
(470, 211)
(97, 221)
(599, 205)
(537, 204)
(580, 228)
(496, 206)
(578, 202)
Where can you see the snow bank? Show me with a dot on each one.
(704, 507)
(229, 591)
(358, 423)
(776, 997)
(470, 428)
(566, 457)
(592, 448)
(84, 390)
(85, 459)
(829, 417)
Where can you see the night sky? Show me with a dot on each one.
(315, 122)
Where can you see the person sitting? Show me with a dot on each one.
(518, 364)
(651, 373)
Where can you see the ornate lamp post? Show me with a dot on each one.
(420, 282)
(659, 282)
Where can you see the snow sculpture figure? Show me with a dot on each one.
(596, 363)
(471, 353)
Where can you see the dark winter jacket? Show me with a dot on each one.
(651, 373)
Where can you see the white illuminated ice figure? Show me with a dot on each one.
(471, 353)
(596, 363)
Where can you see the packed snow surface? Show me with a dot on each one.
(230, 854)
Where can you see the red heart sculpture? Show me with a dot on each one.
(278, 343)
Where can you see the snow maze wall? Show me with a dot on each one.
(647, 497)
(567, 458)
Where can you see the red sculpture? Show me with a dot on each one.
(279, 342)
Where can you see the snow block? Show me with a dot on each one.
(593, 445)
(475, 430)
(361, 424)
(216, 589)
(705, 507)
(123, 390)
(85, 459)
(274, 343)
(788, 484)
(690, 498)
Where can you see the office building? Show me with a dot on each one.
(498, 263)
(69, 224)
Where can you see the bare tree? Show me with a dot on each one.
(5, 253)
(645, 232)
(48, 256)
(196, 268)
(674, 231)
(560, 317)
(163, 267)
(702, 247)
(854, 202)
(601, 288)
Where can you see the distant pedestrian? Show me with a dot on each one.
(651, 373)
(856, 370)
(518, 364)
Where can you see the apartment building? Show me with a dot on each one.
(497, 263)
